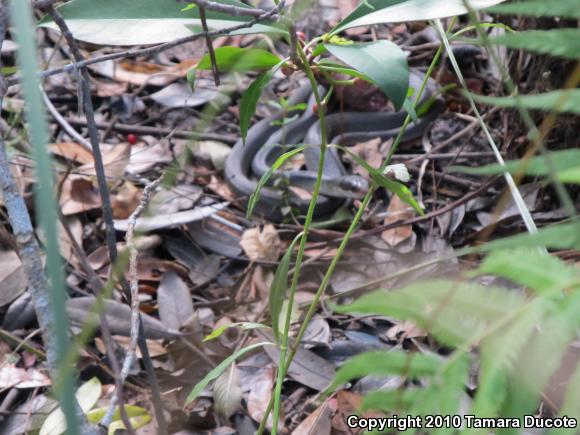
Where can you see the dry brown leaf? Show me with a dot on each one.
(221, 188)
(144, 157)
(260, 395)
(64, 243)
(72, 151)
(78, 195)
(398, 211)
(107, 89)
(317, 423)
(115, 161)
(370, 152)
(125, 200)
(404, 330)
(141, 73)
(261, 245)
(15, 377)
(156, 347)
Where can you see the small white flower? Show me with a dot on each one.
(398, 172)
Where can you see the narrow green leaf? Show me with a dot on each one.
(140, 22)
(190, 76)
(540, 8)
(528, 267)
(397, 11)
(255, 196)
(250, 101)
(279, 286)
(393, 186)
(391, 400)
(238, 59)
(384, 363)
(97, 414)
(560, 101)
(213, 374)
(555, 42)
(561, 161)
(52, 304)
(341, 69)
(242, 325)
(382, 61)
(557, 236)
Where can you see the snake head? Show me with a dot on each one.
(352, 186)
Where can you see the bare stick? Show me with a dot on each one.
(210, 50)
(134, 284)
(64, 123)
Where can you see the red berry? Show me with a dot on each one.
(287, 71)
(132, 139)
(301, 36)
(360, 83)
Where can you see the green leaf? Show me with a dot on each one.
(250, 100)
(138, 417)
(213, 374)
(242, 325)
(555, 42)
(560, 161)
(239, 59)
(279, 286)
(529, 268)
(559, 101)
(393, 186)
(140, 22)
(255, 196)
(190, 76)
(341, 69)
(557, 236)
(539, 8)
(439, 307)
(382, 61)
(87, 396)
(396, 11)
(384, 363)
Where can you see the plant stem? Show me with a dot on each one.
(282, 368)
(326, 279)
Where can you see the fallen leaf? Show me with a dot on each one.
(174, 299)
(261, 245)
(398, 211)
(79, 195)
(317, 423)
(227, 393)
(145, 157)
(115, 161)
(142, 73)
(12, 278)
(368, 151)
(124, 200)
(72, 151)
(15, 377)
(260, 395)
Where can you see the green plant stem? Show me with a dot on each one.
(300, 255)
(350, 231)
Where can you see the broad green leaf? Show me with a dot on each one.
(140, 22)
(138, 417)
(238, 59)
(440, 307)
(561, 161)
(87, 396)
(393, 186)
(220, 369)
(255, 196)
(279, 286)
(383, 363)
(555, 42)
(382, 61)
(396, 11)
(540, 8)
(250, 100)
(559, 101)
(528, 267)
(571, 175)
(391, 400)
(242, 325)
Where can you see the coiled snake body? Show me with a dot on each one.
(248, 162)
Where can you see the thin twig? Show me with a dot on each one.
(64, 123)
(134, 284)
(209, 43)
(229, 9)
(136, 52)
